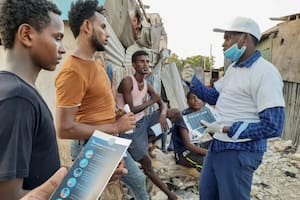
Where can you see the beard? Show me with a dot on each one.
(96, 44)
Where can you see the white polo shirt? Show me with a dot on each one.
(244, 92)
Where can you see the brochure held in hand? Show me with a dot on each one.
(93, 168)
(192, 121)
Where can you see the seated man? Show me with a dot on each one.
(187, 153)
(133, 91)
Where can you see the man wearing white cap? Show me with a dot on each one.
(250, 103)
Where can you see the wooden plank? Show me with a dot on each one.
(292, 97)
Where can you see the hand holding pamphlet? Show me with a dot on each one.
(93, 168)
(156, 128)
(192, 121)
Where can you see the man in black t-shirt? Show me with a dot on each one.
(31, 32)
(28, 140)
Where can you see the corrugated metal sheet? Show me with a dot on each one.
(118, 16)
(151, 37)
(114, 49)
(156, 83)
(173, 86)
(291, 93)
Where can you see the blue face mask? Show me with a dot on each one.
(234, 53)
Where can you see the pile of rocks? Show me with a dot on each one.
(182, 180)
(277, 178)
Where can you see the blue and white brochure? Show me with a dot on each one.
(192, 121)
(93, 168)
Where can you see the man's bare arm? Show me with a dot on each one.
(68, 128)
(187, 143)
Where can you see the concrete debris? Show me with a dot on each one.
(278, 177)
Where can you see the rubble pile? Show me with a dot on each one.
(182, 180)
(277, 178)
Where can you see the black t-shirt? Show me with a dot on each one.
(28, 146)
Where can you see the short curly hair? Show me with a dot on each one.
(138, 54)
(14, 13)
(82, 10)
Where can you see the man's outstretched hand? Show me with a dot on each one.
(187, 74)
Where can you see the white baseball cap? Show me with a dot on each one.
(241, 24)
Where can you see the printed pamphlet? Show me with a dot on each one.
(192, 121)
(93, 168)
(156, 128)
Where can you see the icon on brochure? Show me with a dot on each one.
(65, 192)
(83, 163)
(77, 172)
(89, 154)
(71, 182)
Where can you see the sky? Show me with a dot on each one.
(189, 23)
